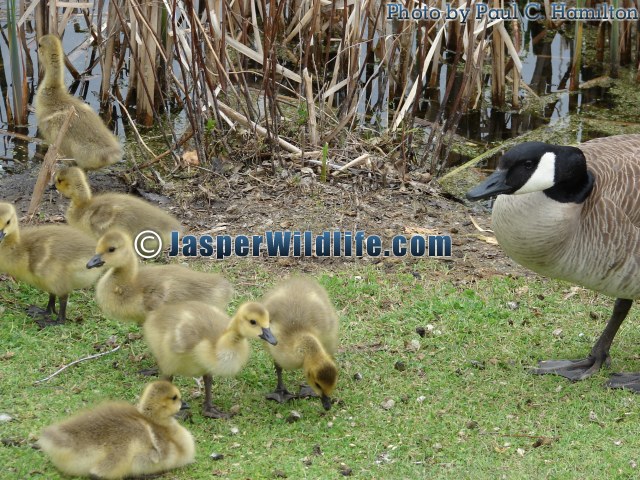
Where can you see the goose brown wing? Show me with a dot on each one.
(615, 161)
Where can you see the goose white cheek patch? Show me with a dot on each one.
(542, 177)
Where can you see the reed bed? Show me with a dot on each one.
(293, 78)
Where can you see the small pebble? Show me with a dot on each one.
(388, 404)
(216, 456)
(345, 471)
(234, 430)
(421, 399)
(294, 416)
(471, 425)
(513, 305)
(5, 417)
(421, 331)
(357, 376)
(400, 366)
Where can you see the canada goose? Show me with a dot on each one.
(196, 339)
(129, 291)
(49, 257)
(95, 215)
(117, 439)
(88, 141)
(574, 214)
(306, 326)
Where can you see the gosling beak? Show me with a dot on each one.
(267, 336)
(52, 187)
(326, 402)
(96, 261)
(184, 406)
(494, 184)
(1, 235)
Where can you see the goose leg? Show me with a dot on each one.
(208, 410)
(280, 394)
(580, 369)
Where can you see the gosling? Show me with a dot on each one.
(95, 215)
(87, 140)
(306, 326)
(49, 257)
(196, 339)
(117, 440)
(128, 291)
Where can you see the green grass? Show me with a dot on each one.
(479, 418)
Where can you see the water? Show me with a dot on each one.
(546, 61)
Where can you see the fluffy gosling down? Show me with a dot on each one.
(306, 326)
(49, 257)
(194, 339)
(117, 440)
(88, 141)
(129, 291)
(95, 215)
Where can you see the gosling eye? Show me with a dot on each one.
(112, 249)
(252, 322)
(318, 385)
(174, 398)
(8, 221)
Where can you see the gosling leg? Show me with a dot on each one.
(580, 369)
(280, 394)
(208, 410)
(43, 317)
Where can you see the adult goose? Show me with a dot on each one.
(573, 213)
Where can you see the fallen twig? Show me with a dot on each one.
(46, 170)
(90, 357)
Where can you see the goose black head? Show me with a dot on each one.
(559, 171)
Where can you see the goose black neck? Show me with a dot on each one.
(573, 190)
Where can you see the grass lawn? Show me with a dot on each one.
(463, 404)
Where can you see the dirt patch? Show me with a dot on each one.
(253, 201)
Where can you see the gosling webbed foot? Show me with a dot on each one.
(45, 321)
(306, 392)
(35, 311)
(628, 381)
(212, 412)
(149, 372)
(574, 370)
(280, 395)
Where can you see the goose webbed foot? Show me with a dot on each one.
(628, 381)
(212, 412)
(280, 395)
(574, 370)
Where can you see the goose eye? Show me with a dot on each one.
(252, 322)
(112, 249)
(528, 164)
